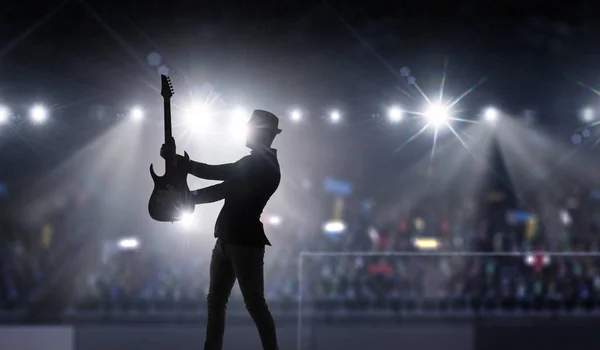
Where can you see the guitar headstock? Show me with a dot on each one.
(166, 88)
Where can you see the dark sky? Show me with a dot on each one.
(318, 55)
(321, 51)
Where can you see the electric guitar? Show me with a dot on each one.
(171, 197)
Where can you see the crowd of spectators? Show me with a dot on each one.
(172, 273)
(21, 267)
(158, 277)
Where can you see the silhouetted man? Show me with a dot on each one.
(240, 248)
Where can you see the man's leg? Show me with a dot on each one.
(222, 278)
(248, 264)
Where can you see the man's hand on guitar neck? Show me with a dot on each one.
(168, 151)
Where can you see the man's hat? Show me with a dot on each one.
(264, 120)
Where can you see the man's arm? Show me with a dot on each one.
(209, 194)
(212, 172)
(218, 192)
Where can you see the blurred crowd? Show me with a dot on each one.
(171, 273)
(514, 266)
(21, 266)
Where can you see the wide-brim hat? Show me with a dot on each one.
(264, 120)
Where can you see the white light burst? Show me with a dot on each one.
(437, 115)
(4, 115)
(137, 113)
(395, 114)
(198, 117)
(38, 114)
(335, 117)
(187, 220)
(239, 130)
(296, 115)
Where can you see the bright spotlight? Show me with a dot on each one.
(187, 220)
(422, 243)
(296, 115)
(238, 123)
(395, 114)
(38, 114)
(198, 117)
(239, 113)
(587, 114)
(490, 114)
(334, 226)
(274, 220)
(4, 115)
(128, 243)
(136, 114)
(198, 111)
(335, 117)
(437, 115)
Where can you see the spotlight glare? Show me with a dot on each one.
(422, 243)
(239, 113)
(395, 114)
(198, 111)
(187, 220)
(198, 117)
(274, 220)
(490, 114)
(137, 114)
(437, 115)
(4, 115)
(334, 226)
(238, 122)
(296, 115)
(335, 117)
(38, 114)
(128, 243)
(587, 114)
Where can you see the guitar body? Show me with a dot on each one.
(171, 198)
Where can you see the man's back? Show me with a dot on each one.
(257, 178)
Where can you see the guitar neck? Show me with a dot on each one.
(167, 112)
(168, 131)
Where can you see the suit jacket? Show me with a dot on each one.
(247, 186)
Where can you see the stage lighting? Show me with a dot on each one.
(198, 111)
(539, 258)
(274, 221)
(424, 243)
(187, 220)
(239, 113)
(490, 114)
(128, 243)
(334, 227)
(395, 114)
(296, 115)
(335, 117)
(38, 114)
(4, 115)
(136, 114)
(238, 123)
(587, 114)
(565, 217)
(198, 117)
(437, 115)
